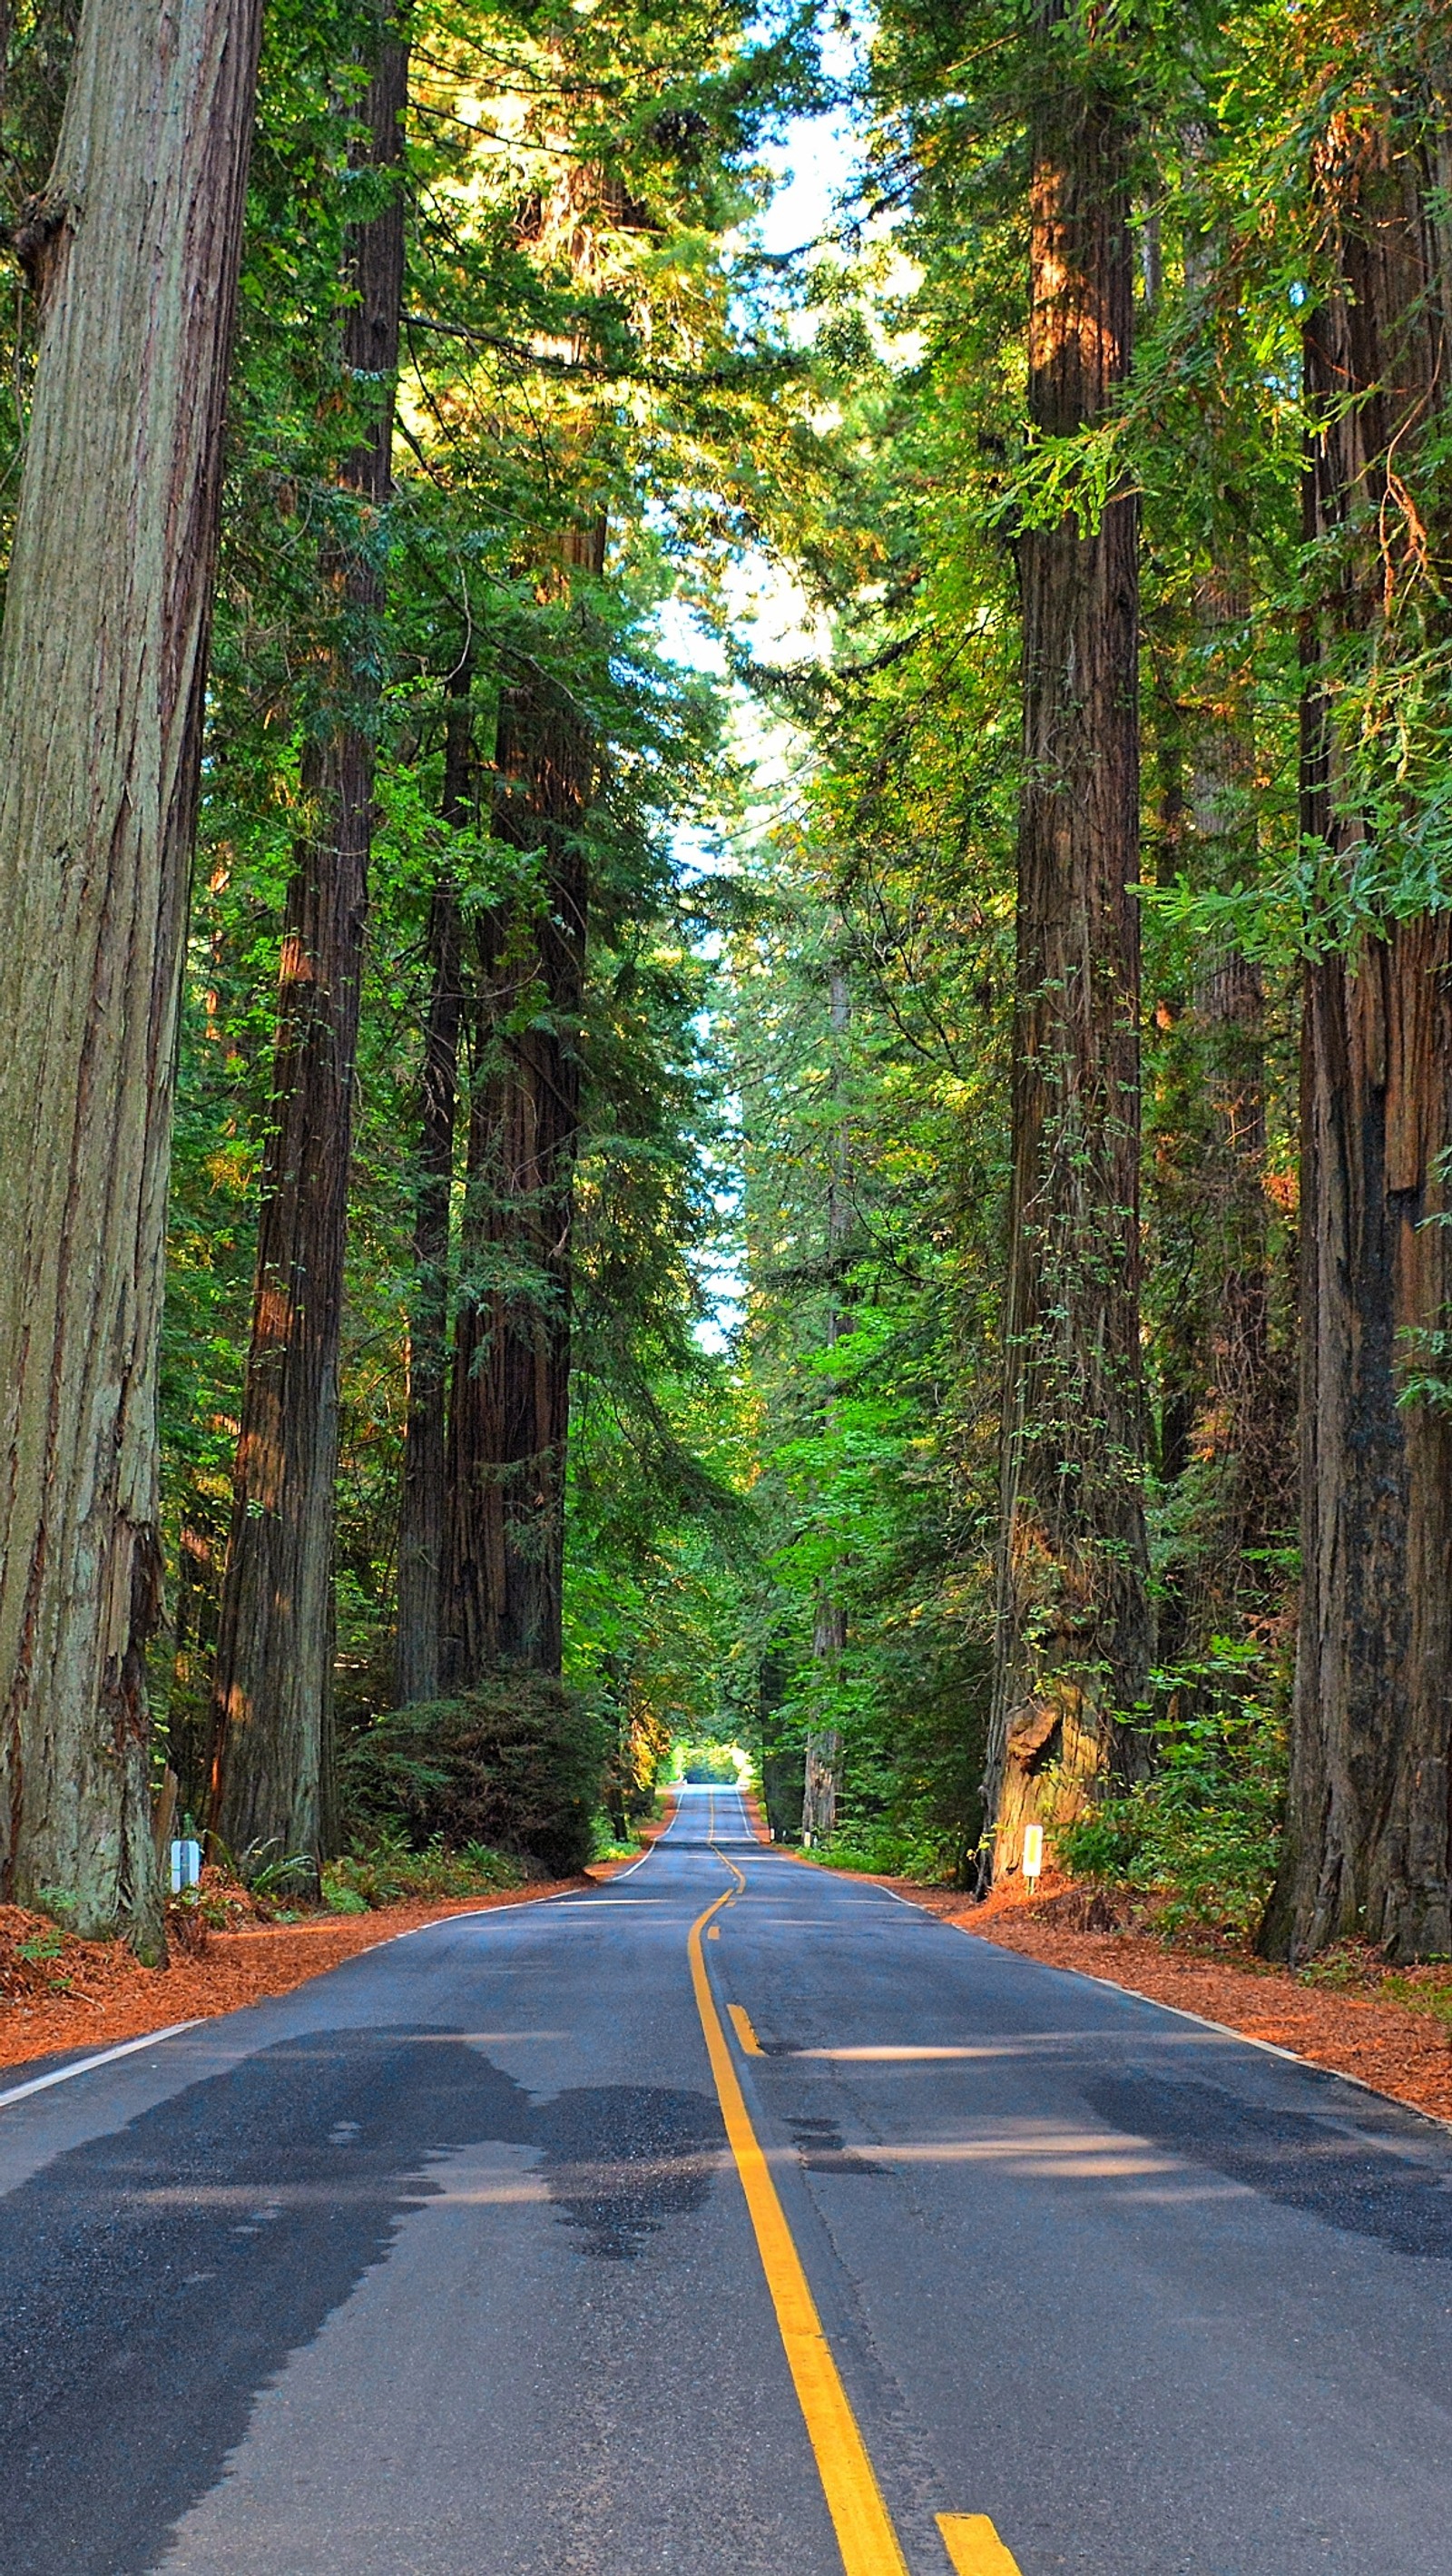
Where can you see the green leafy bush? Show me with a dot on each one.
(1203, 1833)
(889, 1851)
(388, 1871)
(514, 1766)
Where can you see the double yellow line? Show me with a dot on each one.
(865, 2536)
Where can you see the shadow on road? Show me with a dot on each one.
(152, 2281)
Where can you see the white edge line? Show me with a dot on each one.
(649, 1852)
(107, 2057)
(174, 2029)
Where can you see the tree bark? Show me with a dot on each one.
(1073, 1625)
(823, 1768)
(423, 1517)
(133, 253)
(272, 1692)
(1369, 1837)
(1235, 1396)
(509, 1415)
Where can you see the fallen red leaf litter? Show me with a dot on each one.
(1352, 2025)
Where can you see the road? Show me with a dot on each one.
(568, 2241)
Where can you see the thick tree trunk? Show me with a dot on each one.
(423, 1516)
(1073, 1627)
(272, 1696)
(1232, 1397)
(133, 254)
(509, 1415)
(823, 1769)
(1369, 1831)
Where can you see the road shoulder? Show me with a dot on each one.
(94, 1993)
(1376, 2040)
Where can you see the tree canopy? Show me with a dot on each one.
(859, 832)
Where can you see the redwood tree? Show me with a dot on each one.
(823, 1766)
(272, 1691)
(509, 1413)
(423, 1507)
(1369, 1846)
(132, 252)
(1072, 1620)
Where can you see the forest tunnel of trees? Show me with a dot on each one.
(724, 951)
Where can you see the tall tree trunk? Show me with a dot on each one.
(1239, 1404)
(509, 1414)
(101, 691)
(272, 1694)
(1369, 1837)
(822, 1775)
(1073, 1626)
(423, 1515)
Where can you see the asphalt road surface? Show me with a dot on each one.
(562, 2241)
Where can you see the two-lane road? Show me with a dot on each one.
(556, 2239)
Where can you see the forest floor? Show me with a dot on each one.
(1389, 2028)
(58, 1993)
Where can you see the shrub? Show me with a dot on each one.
(1203, 1833)
(388, 1871)
(889, 1851)
(515, 1766)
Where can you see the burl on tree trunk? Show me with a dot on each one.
(272, 1689)
(104, 663)
(1369, 1833)
(1073, 1628)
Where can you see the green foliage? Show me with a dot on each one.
(516, 1766)
(886, 1851)
(1202, 1835)
(266, 1870)
(389, 1870)
(708, 1764)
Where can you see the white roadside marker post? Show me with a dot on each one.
(1033, 1852)
(186, 1864)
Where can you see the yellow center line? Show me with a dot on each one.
(865, 2535)
(974, 2546)
(744, 2031)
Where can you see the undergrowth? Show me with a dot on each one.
(889, 1851)
(1202, 1835)
(384, 1871)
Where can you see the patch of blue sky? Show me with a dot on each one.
(817, 165)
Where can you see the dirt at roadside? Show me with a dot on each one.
(58, 1993)
(1354, 2028)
